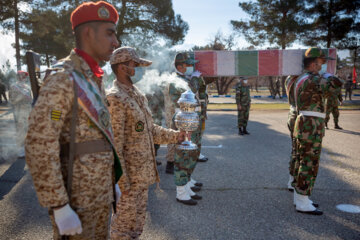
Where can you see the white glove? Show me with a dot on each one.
(327, 75)
(118, 193)
(196, 74)
(67, 221)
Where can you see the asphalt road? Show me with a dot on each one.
(244, 193)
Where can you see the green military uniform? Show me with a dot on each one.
(198, 87)
(310, 91)
(348, 88)
(290, 84)
(332, 106)
(243, 100)
(185, 161)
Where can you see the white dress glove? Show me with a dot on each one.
(327, 75)
(196, 74)
(67, 221)
(118, 193)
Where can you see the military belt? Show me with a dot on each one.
(87, 147)
(202, 100)
(312, 114)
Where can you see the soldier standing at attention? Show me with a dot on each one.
(277, 88)
(332, 102)
(70, 145)
(135, 135)
(20, 99)
(309, 93)
(203, 97)
(185, 161)
(348, 87)
(290, 84)
(243, 105)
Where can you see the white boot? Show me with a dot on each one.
(295, 198)
(188, 189)
(182, 193)
(303, 203)
(291, 179)
(191, 182)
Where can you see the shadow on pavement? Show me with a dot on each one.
(12, 176)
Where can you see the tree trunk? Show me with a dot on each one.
(283, 92)
(17, 30)
(256, 84)
(329, 24)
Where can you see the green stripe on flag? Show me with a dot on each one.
(246, 63)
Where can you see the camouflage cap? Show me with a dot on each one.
(125, 54)
(315, 52)
(184, 58)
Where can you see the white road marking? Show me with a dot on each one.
(348, 208)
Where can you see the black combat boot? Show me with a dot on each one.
(169, 168)
(245, 132)
(337, 126)
(326, 126)
(240, 131)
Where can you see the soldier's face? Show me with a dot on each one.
(182, 68)
(317, 64)
(103, 41)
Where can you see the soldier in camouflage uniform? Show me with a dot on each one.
(290, 84)
(20, 99)
(156, 105)
(185, 161)
(332, 102)
(309, 93)
(277, 88)
(70, 145)
(135, 135)
(243, 105)
(348, 87)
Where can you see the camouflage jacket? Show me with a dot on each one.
(311, 90)
(332, 100)
(242, 95)
(135, 135)
(201, 93)
(49, 126)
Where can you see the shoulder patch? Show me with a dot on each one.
(55, 115)
(139, 126)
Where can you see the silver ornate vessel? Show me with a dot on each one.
(187, 119)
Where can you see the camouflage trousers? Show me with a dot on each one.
(308, 132)
(129, 220)
(170, 147)
(21, 115)
(95, 223)
(185, 161)
(335, 112)
(243, 115)
(291, 122)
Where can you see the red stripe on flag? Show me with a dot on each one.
(354, 76)
(207, 64)
(331, 64)
(269, 63)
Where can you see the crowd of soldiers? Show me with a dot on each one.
(91, 152)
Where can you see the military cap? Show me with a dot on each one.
(315, 52)
(124, 54)
(184, 58)
(93, 12)
(23, 73)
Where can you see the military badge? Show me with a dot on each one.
(139, 127)
(55, 115)
(104, 118)
(103, 13)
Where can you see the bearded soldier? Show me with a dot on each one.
(70, 144)
(135, 135)
(309, 93)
